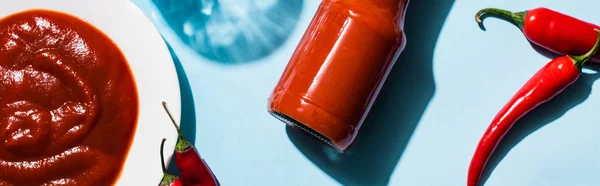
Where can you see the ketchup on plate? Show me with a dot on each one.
(339, 67)
(68, 102)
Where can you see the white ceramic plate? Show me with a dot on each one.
(152, 67)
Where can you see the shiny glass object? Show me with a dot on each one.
(337, 70)
(231, 31)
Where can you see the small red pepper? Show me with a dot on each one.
(554, 31)
(549, 81)
(168, 179)
(193, 169)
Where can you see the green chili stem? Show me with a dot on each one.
(516, 18)
(167, 178)
(162, 157)
(183, 144)
(173, 121)
(580, 60)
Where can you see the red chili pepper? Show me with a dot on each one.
(193, 169)
(168, 179)
(549, 29)
(549, 81)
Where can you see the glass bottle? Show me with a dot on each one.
(339, 67)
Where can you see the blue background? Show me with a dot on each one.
(448, 84)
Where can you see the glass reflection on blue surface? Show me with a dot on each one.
(231, 31)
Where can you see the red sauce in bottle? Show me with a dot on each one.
(339, 67)
(68, 102)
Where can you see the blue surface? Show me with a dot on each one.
(449, 83)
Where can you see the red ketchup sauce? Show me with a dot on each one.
(68, 102)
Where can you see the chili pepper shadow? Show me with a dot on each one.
(544, 52)
(188, 111)
(574, 95)
(397, 110)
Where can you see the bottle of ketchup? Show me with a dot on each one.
(337, 70)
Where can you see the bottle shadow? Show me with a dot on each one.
(574, 95)
(188, 112)
(231, 31)
(396, 112)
